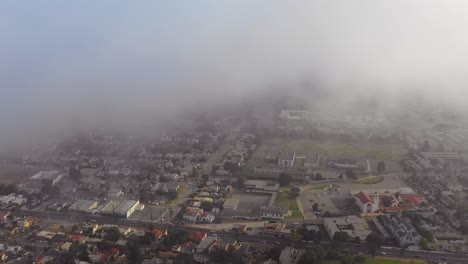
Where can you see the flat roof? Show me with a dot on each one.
(44, 175)
(82, 205)
(125, 206)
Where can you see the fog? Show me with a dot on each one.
(88, 63)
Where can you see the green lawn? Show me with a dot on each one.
(360, 151)
(283, 198)
(370, 180)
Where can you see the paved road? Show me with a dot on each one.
(223, 149)
(385, 251)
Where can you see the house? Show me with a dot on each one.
(171, 177)
(77, 238)
(192, 215)
(400, 228)
(42, 259)
(196, 236)
(286, 159)
(46, 235)
(30, 221)
(207, 217)
(276, 230)
(226, 244)
(452, 185)
(4, 215)
(205, 244)
(159, 233)
(169, 187)
(187, 247)
(274, 212)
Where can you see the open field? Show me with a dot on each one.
(357, 150)
(283, 198)
(370, 180)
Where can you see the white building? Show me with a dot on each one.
(286, 159)
(192, 215)
(367, 203)
(274, 212)
(207, 217)
(53, 176)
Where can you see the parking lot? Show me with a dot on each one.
(250, 201)
(339, 201)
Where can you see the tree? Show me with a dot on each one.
(315, 254)
(458, 248)
(112, 234)
(294, 192)
(65, 258)
(426, 146)
(295, 236)
(351, 174)
(284, 179)
(380, 167)
(340, 237)
(83, 254)
(359, 259)
(424, 244)
(132, 249)
(274, 253)
(184, 258)
(319, 177)
(75, 174)
(387, 201)
(374, 242)
(315, 207)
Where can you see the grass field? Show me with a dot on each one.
(283, 198)
(370, 180)
(359, 151)
(380, 261)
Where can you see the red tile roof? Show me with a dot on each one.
(159, 232)
(364, 198)
(74, 237)
(196, 236)
(4, 214)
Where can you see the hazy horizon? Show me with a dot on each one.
(115, 63)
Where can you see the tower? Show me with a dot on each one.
(375, 205)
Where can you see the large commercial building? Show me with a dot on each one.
(84, 206)
(53, 176)
(122, 209)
